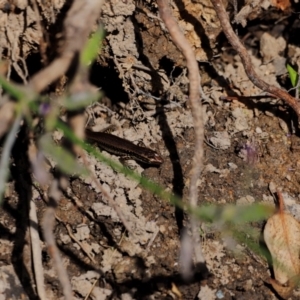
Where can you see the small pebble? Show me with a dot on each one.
(245, 200)
(220, 294)
(272, 187)
(232, 166)
(162, 228)
(258, 130)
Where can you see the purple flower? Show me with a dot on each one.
(44, 109)
(249, 153)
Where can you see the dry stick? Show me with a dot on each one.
(196, 109)
(7, 114)
(240, 48)
(48, 226)
(91, 289)
(36, 252)
(237, 98)
(41, 29)
(82, 246)
(77, 26)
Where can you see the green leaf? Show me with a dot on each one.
(293, 75)
(234, 214)
(252, 213)
(66, 162)
(94, 44)
(21, 93)
(51, 118)
(11, 89)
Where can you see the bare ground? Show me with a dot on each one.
(144, 79)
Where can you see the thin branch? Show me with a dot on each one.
(81, 245)
(36, 252)
(297, 87)
(78, 24)
(246, 60)
(48, 226)
(196, 109)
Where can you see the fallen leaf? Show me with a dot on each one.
(281, 4)
(282, 237)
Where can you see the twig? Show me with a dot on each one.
(7, 114)
(186, 251)
(11, 137)
(43, 34)
(48, 226)
(238, 98)
(246, 60)
(22, 73)
(210, 145)
(196, 109)
(79, 243)
(280, 201)
(78, 25)
(36, 252)
(92, 287)
(297, 87)
(139, 91)
(155, 233)
(136, 66)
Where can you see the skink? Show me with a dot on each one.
(116, 145)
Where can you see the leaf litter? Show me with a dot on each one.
(282, 237)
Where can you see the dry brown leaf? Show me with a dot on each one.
(281, 4)
(282, 237)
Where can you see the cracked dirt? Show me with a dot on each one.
(252, 147)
